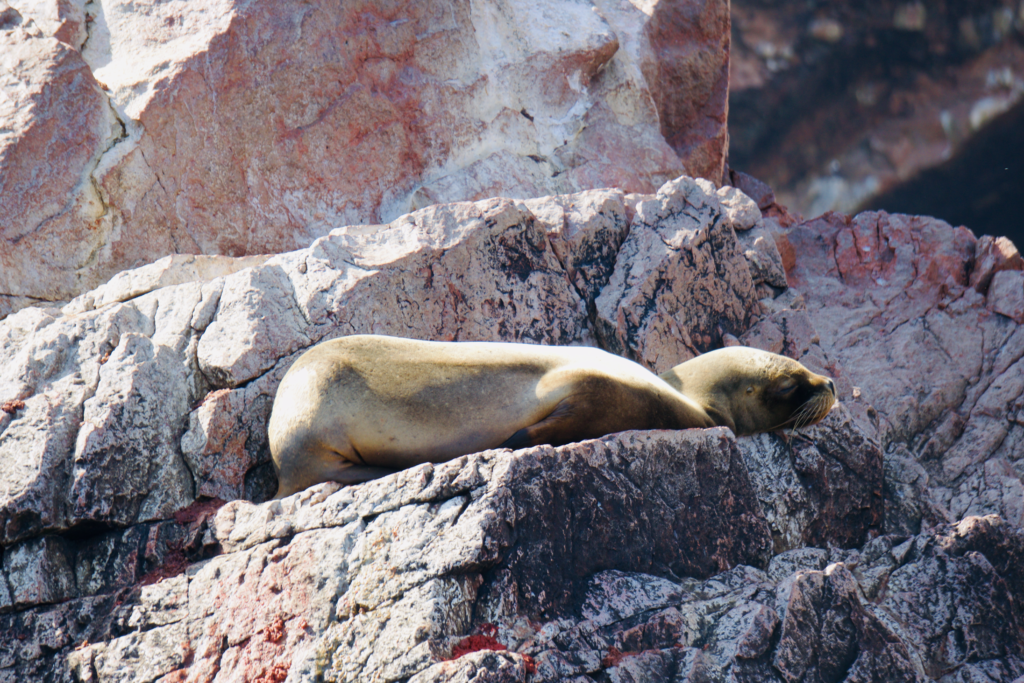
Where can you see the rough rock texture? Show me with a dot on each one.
(132, 413)
(122, 412)
(389, 580)
(120, 383)
(680, 282)
(933, 365)
(55, 125)
(131, 131)
(834, 103)
(847, 552)
(822, 488)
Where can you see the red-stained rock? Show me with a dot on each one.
(154, 390)
(691, 40)
(892, 301)
(248, 128)
(475, 643)
(56, 123)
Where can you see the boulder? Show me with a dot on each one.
(251, 128)
(930, 365)
(680, 282)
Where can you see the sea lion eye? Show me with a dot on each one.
(786, 390)
(750, 390)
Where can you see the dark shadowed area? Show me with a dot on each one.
(980, 187)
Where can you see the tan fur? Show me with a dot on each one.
(753, 391)
(360, 407)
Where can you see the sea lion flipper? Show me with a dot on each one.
(520, 439)
(553, 429)
(344, 473)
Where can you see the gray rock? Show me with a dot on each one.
(798, 560)
(128, 465)
(39, 571)
(822, 485)
(642, 554)
(763, 257)
(1006, 294)
(740, 210)
(394, 577)
(586, 230)
(680, 281)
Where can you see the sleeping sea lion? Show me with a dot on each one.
(361, 407)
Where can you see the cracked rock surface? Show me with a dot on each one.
(905, 308)
(881, 544)
(134, 131)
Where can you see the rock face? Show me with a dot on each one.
(476, 567)
(883, 543)
(837, 103)
(241, 128)
(938, 358)
(163, 398)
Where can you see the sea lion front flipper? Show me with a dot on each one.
(520, 439)
(554, 430)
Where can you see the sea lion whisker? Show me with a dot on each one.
(812, 411)
(815, 414)
(802, 421)
(822, 405)
(802, 413)
(781, 425)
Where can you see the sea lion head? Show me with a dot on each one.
(753, 391)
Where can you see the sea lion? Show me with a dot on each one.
(361, 407)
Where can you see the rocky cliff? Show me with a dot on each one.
(132, 131)
(881, 544)
(137, 542)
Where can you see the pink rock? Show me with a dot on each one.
(1006, 294)
(256, 128)
(891, 297)
(219, 446)
(692, 44)
(62, 19)
(992, 255)
(55, 123)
